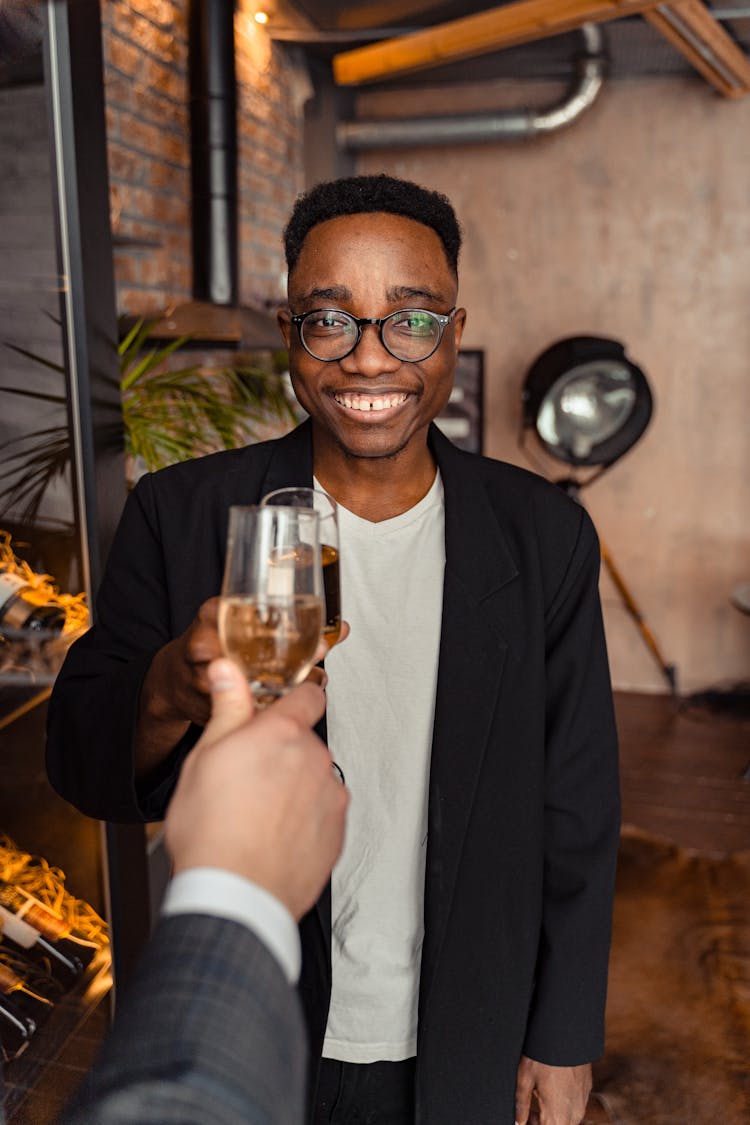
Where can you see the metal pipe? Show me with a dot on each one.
(504, 125)
(213, 130)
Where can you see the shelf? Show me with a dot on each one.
(35, 1089)
(18, 701)
(29, 664)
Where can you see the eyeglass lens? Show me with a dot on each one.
(410, 334)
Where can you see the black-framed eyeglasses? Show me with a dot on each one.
(411, 335)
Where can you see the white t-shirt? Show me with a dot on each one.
(381, 703)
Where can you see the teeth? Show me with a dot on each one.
(370, 402)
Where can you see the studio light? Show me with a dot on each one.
(587, 402)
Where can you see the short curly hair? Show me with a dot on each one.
(357, 195)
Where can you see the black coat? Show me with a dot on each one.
(523, 792)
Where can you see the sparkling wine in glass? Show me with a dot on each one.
(271, 607)
(327, 510)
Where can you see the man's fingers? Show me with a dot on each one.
(344, 632)
(208, 614)
(524, 1089)
(317, 675)
(305, 703)
(231, 700)
(522, 1112)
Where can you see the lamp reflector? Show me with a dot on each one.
(587, 402)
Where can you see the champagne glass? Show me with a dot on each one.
(327, 510)
(271, 607)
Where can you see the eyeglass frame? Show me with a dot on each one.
(361, 322)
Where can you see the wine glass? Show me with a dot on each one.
(271, 606)
(327, 510)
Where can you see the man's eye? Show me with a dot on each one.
(327, 322)
(416, 324)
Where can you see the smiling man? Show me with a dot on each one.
(454, 972)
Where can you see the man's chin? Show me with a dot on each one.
(374, 452)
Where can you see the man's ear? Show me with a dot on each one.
(284, 320)
(459, 323)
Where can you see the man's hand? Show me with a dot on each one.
(177, 688)
(176, 691)
(561, 1092)
(257, 795)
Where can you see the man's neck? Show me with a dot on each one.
(375, 488)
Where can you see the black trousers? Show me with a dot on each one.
(379, 1093)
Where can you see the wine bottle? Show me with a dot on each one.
(18, 611)
(49, 924)
(17, 989)
(49, 955)
(16, 1030)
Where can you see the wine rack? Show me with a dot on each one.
(60, 377)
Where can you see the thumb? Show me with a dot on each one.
(231, 701)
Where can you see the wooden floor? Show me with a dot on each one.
(684, 771)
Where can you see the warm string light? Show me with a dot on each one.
(42, 590)
(38, 878)
(261, 17)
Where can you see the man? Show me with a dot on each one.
(210, 1029)
(458, 964)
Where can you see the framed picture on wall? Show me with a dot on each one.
(463, 418)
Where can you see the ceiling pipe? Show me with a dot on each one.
(213, 132)
(504, 125)
(214, 318)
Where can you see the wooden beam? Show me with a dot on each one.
(482, 33)
(692, 29)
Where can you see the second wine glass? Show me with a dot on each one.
(328, 524)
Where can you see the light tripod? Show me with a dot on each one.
(669, 671)
(588, 404)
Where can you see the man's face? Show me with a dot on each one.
(370, 403)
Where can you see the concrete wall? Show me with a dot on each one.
(633, 224)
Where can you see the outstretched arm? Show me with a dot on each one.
(209, 1030)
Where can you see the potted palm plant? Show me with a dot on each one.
(168, 415)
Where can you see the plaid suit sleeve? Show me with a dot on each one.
(208, 1032)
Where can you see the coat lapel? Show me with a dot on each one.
(473, 649)
(291, 464)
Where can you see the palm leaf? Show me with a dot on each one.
(30, 468)
(57, 399)
(36, 358)
(168, 415)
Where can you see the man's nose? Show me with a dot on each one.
(370, 358)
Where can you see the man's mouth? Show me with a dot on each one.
(370, 402)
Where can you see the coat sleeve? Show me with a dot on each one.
(94, 705)
(209, 1032)
(581, 821)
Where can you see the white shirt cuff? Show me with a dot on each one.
(211, 890)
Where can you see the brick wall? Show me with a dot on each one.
(146, 51)
(145, 67)
(272, 89)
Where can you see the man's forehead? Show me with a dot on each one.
(377, 224)
(330, 236)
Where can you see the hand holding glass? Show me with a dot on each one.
(271, 608)
(327, 510)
